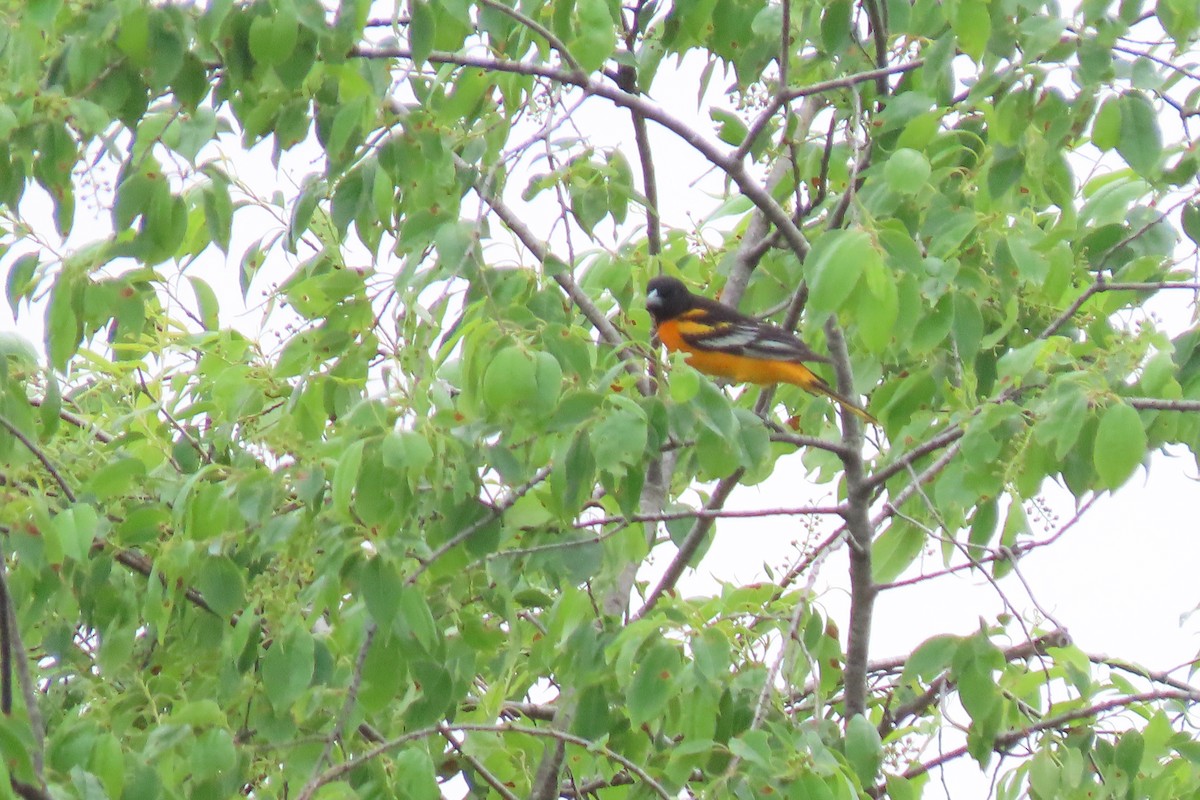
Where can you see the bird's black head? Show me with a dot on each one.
(667, 297)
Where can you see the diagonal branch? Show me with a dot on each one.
(691, 543)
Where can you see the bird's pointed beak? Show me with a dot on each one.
(653, 300)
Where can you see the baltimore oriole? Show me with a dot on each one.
(725, 343)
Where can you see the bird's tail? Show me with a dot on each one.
(800, 375)
(844, 402)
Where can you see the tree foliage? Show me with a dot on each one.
(334, 476)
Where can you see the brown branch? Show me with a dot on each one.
(476, 764)
(77, 421)
(40, 455)
(1102, 285)
(942, 683)
(145, 567)
(541, 252)
(343, 717)
(844, 82)
(338, 770)
(930, 472)
(493, 514)
(860, 535)
(1162, 677)
(691, 543)
(1007, 740)
(627, 80)
(807, 442)
(129, 558)
(1162, 404)
(736, 171)
(540, 30)
(901, 464)
(714, 513)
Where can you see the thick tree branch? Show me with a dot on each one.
(860, 535)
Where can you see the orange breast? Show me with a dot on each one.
(742, 369)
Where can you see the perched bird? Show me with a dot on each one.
(725, 343)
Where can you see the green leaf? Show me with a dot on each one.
(597, 34)
(218, 213)
(732, 129)
(907, 171)
(1128, 755)
(1189, 217)
(835, 264)
(547, 383)
(222, 584)
(983, 523)
(1141, 140)
(864, 749)
(1106, 127)
(1120, 445)
(384, 671)
(878, 308)
(509, 379)
(64, 329)
(206, 301)
(972, 25)
(287, 666)
(416, 620)
(76, 528)
(967, 328)
(381, 588)
(835, 25)
(21, 283)
(653, 684)
(346, 476)
(421, 31)
(619, 439)
(931, 658)
(273, 37)
(416, 776)
(895, 549)
(252, 261)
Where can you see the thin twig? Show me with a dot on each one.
(476, 764)
(844, 82)
(691, 543)
(469, 531)
(1162, 404)
(343, 718)
(540, 30)
(336, 771)
(714, 513)
(40, 455)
